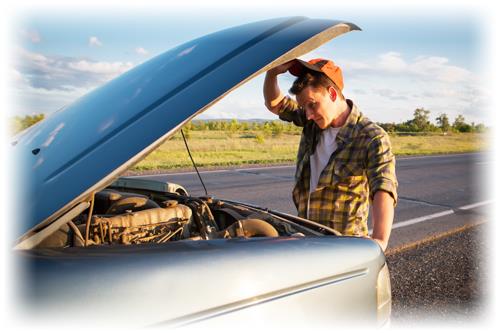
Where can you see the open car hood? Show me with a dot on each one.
(83, 147)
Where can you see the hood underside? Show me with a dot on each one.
(83, 147)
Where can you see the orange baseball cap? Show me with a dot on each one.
(324, 66)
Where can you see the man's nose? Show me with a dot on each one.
(309, 114)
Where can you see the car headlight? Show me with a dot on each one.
(383, 295)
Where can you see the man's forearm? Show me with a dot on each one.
(272, 92)
(383, 216)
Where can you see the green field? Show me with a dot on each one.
(223, 148)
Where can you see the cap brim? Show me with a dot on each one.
(298, 67)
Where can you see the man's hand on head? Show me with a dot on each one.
(280, 69)
(272, 93)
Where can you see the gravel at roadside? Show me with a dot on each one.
(442, 280)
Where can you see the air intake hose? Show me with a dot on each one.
(249, 228)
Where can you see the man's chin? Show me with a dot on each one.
(322, 125)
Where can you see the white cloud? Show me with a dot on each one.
(27, 99)
(59, 73)
(32, 35)
(391, 62)
(391, 94)
(389, 87)
(246, 102)
(31, 57)
(94, 41)
(16, 76)
(108, 69)
(352, 65)
(141, 51)
(421, 68)
(43, 83)
(440, 69)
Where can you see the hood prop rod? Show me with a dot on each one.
(194, 164)
(87, 225)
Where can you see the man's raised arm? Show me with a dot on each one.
(272, 93)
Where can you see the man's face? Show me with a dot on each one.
(319, 105)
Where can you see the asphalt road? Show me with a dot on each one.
(437, 247)
(445, 191)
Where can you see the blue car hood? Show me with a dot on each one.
(83, 147)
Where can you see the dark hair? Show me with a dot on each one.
(315, 80)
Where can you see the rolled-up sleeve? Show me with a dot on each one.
(381, 167)
(289, 111)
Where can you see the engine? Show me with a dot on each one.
(127, 218)
(153, 225)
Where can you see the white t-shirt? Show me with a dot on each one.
(326, 146)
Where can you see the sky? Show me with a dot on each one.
(404, 58)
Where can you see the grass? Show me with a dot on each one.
(220, 148)
(440, 144)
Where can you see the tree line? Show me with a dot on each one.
(18, 123)
(273, 127)
(422, 123)
(419, 124)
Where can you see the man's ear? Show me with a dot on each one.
(332, 93)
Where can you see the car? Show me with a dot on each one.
(97, 248)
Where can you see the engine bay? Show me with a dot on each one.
(120, 216)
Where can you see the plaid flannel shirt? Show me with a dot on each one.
(362, 164)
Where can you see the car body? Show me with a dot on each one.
(138, 253)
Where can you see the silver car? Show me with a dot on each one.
(95, 248)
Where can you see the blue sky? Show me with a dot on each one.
(404, 58)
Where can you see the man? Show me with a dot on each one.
(344, 160)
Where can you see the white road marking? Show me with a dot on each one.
(422, 219)
(436, 215)
(482, 203)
